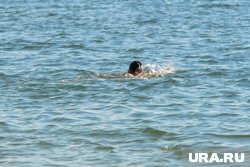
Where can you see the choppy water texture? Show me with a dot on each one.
(64, 103)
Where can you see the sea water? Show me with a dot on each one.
(64, 100)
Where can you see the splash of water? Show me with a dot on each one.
(152, 70)
(157, 71)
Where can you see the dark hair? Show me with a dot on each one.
(135, 67)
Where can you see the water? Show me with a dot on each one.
(64, 102)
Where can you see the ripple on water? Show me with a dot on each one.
(154, 132)
(221, 5)
(230, 136)
(47, 144)
(3, 124)
(106, 133)
(104, 148)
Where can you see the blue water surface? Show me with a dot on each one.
(63, 101)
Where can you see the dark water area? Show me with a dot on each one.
(64, 101)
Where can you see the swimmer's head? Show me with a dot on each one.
(135, 68)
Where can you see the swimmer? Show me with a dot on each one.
(135, 68)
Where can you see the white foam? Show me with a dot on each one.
(152, 70)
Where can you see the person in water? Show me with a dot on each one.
(135, 68)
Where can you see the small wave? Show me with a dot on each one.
(154, 132)
(104, 148)
(233, 136)
(219, 6)
(47, 144)
(2, 124)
